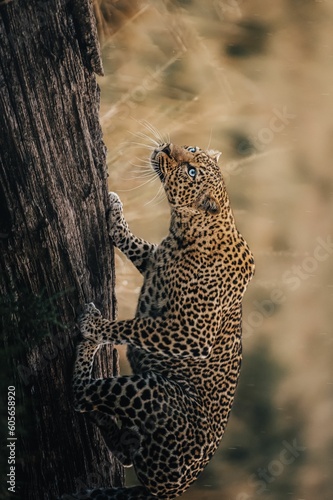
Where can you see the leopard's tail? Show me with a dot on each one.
(135, 493)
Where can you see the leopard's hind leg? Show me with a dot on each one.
(158, 409)
(122, 442)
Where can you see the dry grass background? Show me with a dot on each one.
(253, 79)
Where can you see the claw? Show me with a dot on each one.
(114, 199)
(88, 309)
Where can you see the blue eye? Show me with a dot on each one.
(191, 149)
(192, 172)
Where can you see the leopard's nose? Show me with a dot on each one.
(162, 148)
(166, 149)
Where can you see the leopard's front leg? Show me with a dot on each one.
(136, 249)
(157, 335)
(82, 376)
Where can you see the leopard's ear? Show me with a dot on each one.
(209, 204)
(215, 155)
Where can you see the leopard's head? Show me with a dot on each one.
(191, 178)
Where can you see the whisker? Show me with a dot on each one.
(143, 163)
(143, 175)
(138, 177)
(143, 145)
(156, 133)
(144, 167)
(161, 196)
(137, 187)
(210, 139)
(156, 139)
(159, 192)
(162, 138)
(134, 177)
(129, 176)
(142, 135)
(142, 171)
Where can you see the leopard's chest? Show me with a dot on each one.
(172, 273)
(165, 278)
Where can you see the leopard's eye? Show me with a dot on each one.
(192, 172)
(191, 149)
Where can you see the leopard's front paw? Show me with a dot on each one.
(116, 210)
(89, 321)
(115, 202)
(117, 224)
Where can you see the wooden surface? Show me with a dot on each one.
(55, 253)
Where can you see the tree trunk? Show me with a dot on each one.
(55, 253)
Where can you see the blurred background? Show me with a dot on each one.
(253, 79)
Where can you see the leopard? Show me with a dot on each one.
(184, 343)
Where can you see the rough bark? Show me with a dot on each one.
(55, 253)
